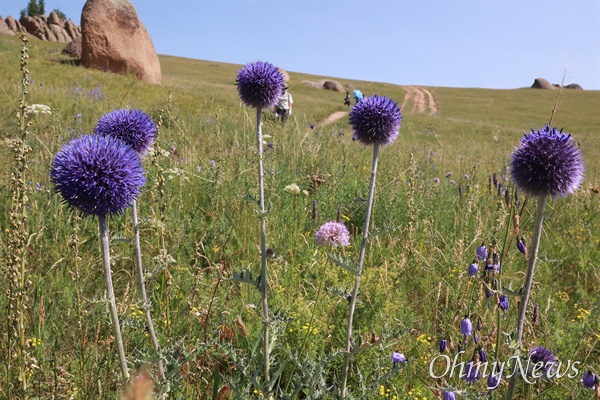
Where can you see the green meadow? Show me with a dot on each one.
(201, 239)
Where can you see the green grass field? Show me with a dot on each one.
(201, 227)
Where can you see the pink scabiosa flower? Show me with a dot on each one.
(333, 233)
(547, 163)
(376, 119)
(97, 175)
(259, 84)
(133, 127)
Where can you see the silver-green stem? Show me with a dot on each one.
(114, 316)
(535, 243)
(146, 303)
(263, 246)
(361, 259)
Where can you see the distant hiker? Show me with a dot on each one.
(284, 106)
(358, 96)
(347, 101)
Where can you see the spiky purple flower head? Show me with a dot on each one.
(398, 358)
(375, 119)
(546, 357)
(259, 84)
(589, 380)
(133, 127)
(449, 395)
(97, 175)
(333, 233)
(547, 163)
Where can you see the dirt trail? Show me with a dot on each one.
(422, 100)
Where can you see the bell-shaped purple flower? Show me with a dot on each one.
(133, 127)
(547, 163)
(503, 303)
(472, 372)
(521, 246)
(546, 357)
(97, 175)
(376, 119)
(466, 328)
(481, 252)
(488, 295)
(482, 355)
(449, 395)
(398, 358)
(333, 233)
(589, 380)
(479, 325)
(259, 84)
(476, 337)
(473, 268)
(494, 380)
(442, 345)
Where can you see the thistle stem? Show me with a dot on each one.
(263, 247)
(361, 259)
(537, 232)
(111, 295)
(146, 303)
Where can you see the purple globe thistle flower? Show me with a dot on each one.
(481, 252)
(398, 358)
(448, 174)
(452, 182)
(541, 355)
(503, 304)
(547, 163)
(259, 84)
(472, 372)
(473, 268)
(376, 119)
(97, 175)
(442, 345)
(133, 127)
(449, 395)
(589, 380)
(333, 233)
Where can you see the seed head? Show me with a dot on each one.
(259, 84)
(97, 175)
(547, 163)
(133, 127)
(375, 120)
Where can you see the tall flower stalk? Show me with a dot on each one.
(16, 294)
(546, 164)
(100, 176)
(136, 129)
(259, 86)
(375, 121)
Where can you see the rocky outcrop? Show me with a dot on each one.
(284, 74)
(49, 28)
(4, 29)
(114, 39)
(541, 83)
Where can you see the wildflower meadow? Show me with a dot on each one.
(178, 241)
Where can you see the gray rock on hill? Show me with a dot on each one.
(541, 83)
(333, 85)
(114, 39)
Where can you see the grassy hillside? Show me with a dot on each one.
(200, 226)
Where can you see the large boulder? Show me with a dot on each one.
(333, 85)
(73, 48)
(541, 83)
(575, 86)
(284, 74)
(14, 25)
(114, 39)
(4, 29)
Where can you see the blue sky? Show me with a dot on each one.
(488, 44)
